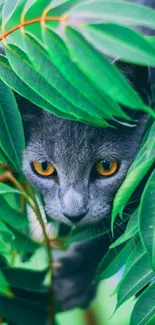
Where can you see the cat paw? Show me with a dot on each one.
(72, 282)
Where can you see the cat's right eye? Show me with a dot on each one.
(44, 168)
(106, 167)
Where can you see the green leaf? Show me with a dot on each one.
(129, 185)
(8, 9)
(131, 230)
(116, 11)
(5, 232)
(110, 81)
(85, 233)
(11, 216)
(114, 259)
(60, 57)
(5, 247)
(5, 189)
(4, 285)
(120, 41)
(13, 81)
(144, 308)
(11, 130)
(96, 68)
(23, 243)
(137, 274)
(21, 278)
(26, 71)
(147, 218)
(20, 311)
(43, 64)
(147, 148)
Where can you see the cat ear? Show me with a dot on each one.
(30, 114)
(140, 79)
(27, 109)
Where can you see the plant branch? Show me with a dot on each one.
(32, 21)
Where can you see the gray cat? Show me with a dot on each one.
(78, 169)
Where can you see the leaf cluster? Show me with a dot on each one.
(59, 55)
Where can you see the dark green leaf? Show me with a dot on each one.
(24, 278)
(21, 311)
(147, 218)
(4, 285)
(11, 216)
(129, 185)
(23, 243)
(11, 130)
(131, 230)
(114, 260)
(137, 274)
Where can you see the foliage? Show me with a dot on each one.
(75, 40)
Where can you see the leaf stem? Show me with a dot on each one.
(32, 21)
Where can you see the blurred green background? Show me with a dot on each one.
(103, 308)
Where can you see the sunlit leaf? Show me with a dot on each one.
(8, 9)
(120, 42)
(117, 11)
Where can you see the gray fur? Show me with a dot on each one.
(74, 148)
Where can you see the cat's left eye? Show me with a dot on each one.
(106, 167)
(44, 169)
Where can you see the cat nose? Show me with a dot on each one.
(76, 218)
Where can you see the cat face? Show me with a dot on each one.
(77, 191)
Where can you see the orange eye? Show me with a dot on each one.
(43, 168)
(107, 167)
